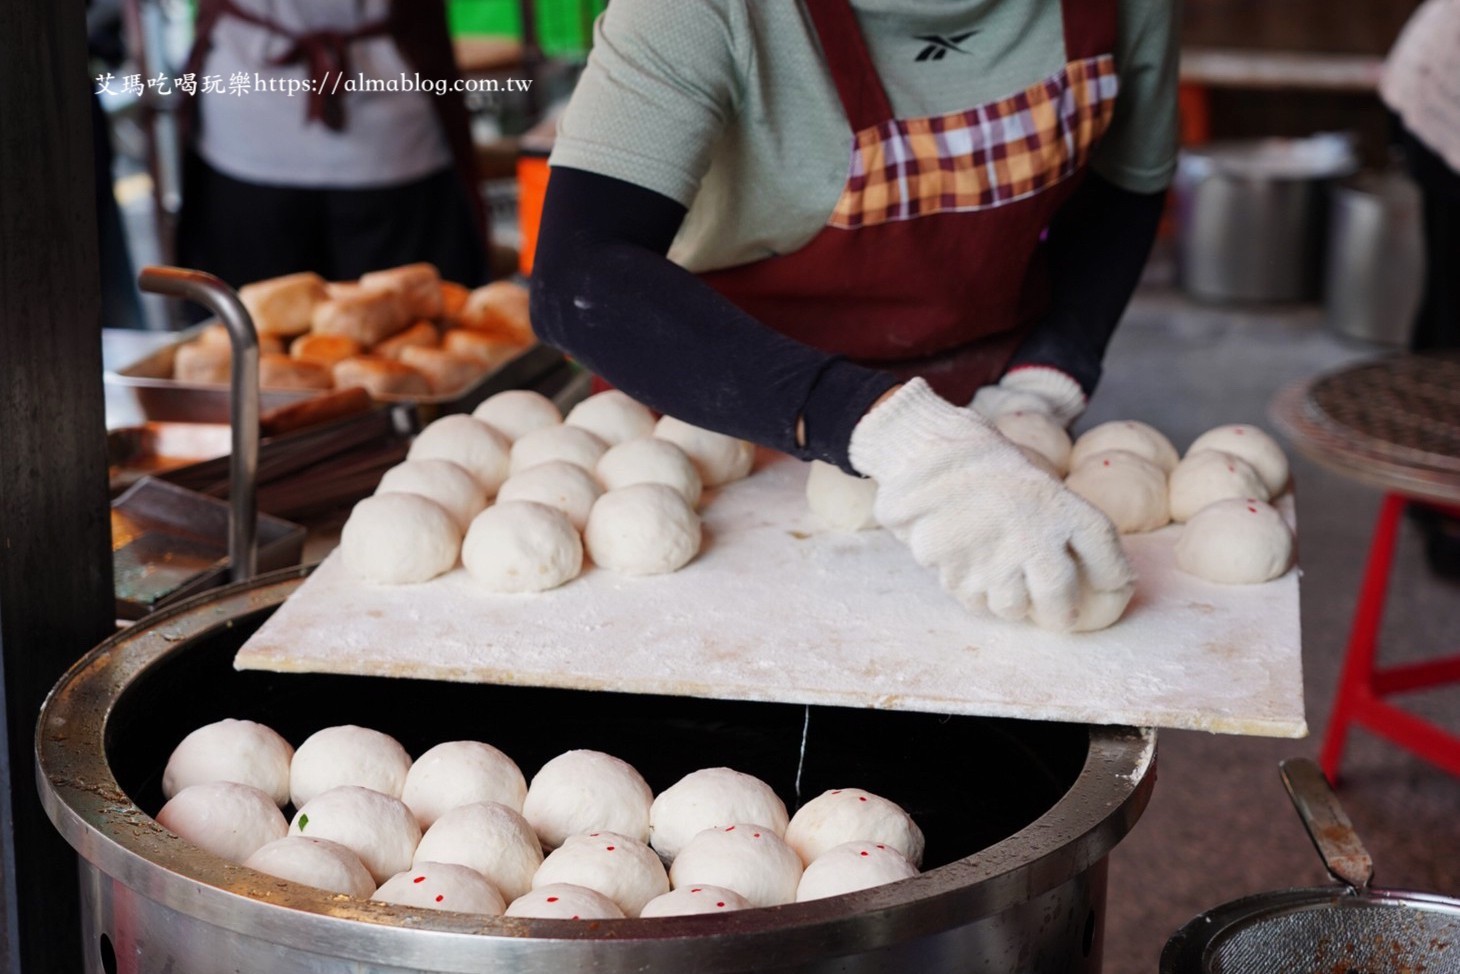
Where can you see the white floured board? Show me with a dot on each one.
(777, 608)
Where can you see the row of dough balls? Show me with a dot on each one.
(609, 478)
(459, 828)
(1220, 489)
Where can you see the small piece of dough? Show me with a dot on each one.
(490, 838)
(650, 461)
(522, 546)
(1039, 460)
(643, 529)
(377, 828)
(844, 815)
(707, 799)
(586, 791)
(719, 458)
(613, 417)
(1252, 445)
(1209, 476)
(1130, 435)
(230, 820)
(319, 863)
(398, 539)
(443, 481)
(458, 773)
(557, 483)
(839, 500)
(347, 754)
(563, 901)
(517, 412)
(1236, 542)
(694, 900)
(748, 858)
(242, 751)
(623, 869)
(1127, 488)
(1094, 609)
(571, 444)
(476, 446)
(1040, 433)
(442, 886)
(850, 867)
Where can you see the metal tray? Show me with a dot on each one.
(164, 399)
(169, 542)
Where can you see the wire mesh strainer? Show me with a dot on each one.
(1348, 929)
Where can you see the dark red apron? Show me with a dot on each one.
(418, 28)
(931, 263)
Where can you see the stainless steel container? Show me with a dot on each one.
(1019, 818)
(1374, 270)
(1250, 217)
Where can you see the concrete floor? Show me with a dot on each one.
(1220, 825)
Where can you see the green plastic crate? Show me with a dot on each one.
(560, 23)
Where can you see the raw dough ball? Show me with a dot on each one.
(564, 901)
(1252, 445)
(348, 755)
(1129, 489)
(522, 546)
(587, 791)
(488, 837)
(719, 458)
(397, 539)
(1210, 476)
(850, 867)
(1093, 610)
(517, 412)
(1039, 433)
(1039, 460)
(314, 862)
(623, 869)
(644, 529)
(750, 859)
(1130, 435)
(460, 773)
(447, 483)
(557, 483)
(1238, 542)
(693, 900)
(846, 814)
(231, 750)
(230, 820)
(377, 828)
(571, 444)
(613, 417)
(711, 798)
(476, 446)
(841, 502)
(442, 886)
(650, 461)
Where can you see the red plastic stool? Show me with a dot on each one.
(1363, 687)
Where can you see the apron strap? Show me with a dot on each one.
(857, 83)
(1090, 28)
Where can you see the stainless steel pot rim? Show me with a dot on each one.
(101, 822)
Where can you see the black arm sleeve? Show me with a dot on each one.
(1097, 246)
(604, 292)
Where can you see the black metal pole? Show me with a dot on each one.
(55, 553)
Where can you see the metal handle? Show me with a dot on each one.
(213, 294)
(1328, 825)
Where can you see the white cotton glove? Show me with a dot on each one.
(1032, 389)
(1003, 535)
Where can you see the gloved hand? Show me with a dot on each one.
(1032, 389)
(1003, 535)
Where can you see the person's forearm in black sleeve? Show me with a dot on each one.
(604, 292)
(1097, 246)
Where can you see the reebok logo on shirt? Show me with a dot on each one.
(938, 46)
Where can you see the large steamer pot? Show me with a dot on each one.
(1019, 818)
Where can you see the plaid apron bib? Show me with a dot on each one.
(931, 263)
